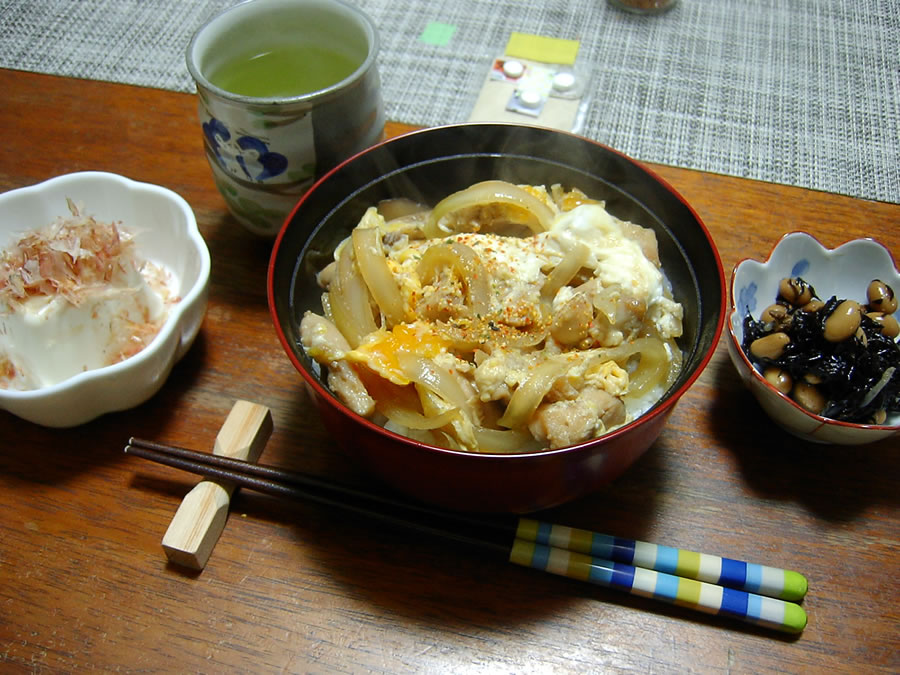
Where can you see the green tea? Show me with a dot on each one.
(285, 71)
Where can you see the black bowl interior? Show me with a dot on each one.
(430, 164)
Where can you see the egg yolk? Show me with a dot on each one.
(379, 349)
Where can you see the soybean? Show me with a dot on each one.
(807, 396)
(881, 297)
(771, 346)
(778, 378)
(889, 325)
(810, 350)
(776, 314)
(843, 321)
(796, 291)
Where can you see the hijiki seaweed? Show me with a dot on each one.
(853, 377)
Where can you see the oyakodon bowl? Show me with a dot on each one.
(426, 166)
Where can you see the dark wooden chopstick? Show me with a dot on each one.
(485, 534)
(556, 549)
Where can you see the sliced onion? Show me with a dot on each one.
(566, 270)
(656, 366)
(401, 404)
(507, 441)
(444, 440)
(490, 192)
(349, 301)
(480, 334)
(467, 264)
(623, 352)
(430, 375)
(430, 402)
(606, 301)
(399, 207)
(652, 369)
(676, 360)
(415, 420)
(529, 394)
(459, 339)
(378, 276)
(524, 340)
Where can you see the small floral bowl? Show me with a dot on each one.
(165, 233)
(844, 272)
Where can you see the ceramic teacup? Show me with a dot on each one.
(287, 89)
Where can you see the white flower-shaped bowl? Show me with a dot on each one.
(844, 272)
(166, 233)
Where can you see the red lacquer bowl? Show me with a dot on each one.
(428, 165)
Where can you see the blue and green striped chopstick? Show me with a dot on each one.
(750, 577)
(755, 593)
(700, 595)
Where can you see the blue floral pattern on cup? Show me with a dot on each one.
(243, 156)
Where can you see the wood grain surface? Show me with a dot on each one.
(84, 582)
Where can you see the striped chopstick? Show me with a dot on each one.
(663, 573)
(768, 612)
(759, 579)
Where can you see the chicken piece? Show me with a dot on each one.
(443, 299)
(572, 321)
(564, 423)
(324, 342)
(498, 375)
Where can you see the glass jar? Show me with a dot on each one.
(644, 6)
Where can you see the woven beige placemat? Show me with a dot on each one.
(799, 92)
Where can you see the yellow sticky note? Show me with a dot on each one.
(543, 49)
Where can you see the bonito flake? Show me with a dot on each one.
(75, 296)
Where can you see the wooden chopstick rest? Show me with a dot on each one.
(201, 517)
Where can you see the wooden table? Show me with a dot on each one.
(291, 587)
